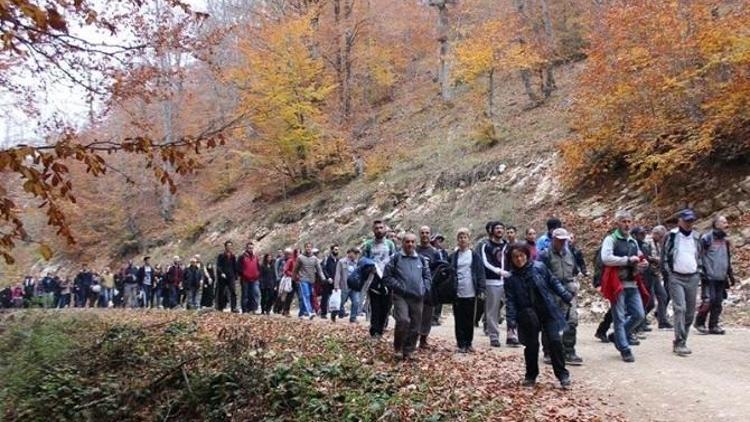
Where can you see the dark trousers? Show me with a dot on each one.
(380, 306)
(463, 314)
(529, 328)
(662, 298)
(712, 296)
(606, 323)
(437, 311)
(222, 287)
(408, 315)
(266, 299)
(172, 296)
(207, 296)
(479, 313)
(325, 295)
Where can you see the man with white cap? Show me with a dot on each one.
(561, 263)
(682, 262)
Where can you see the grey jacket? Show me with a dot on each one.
(307, 267)
(408, 275)
(342, 273)
(715, 256)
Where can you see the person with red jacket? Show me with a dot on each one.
(249, 268)
(289, 272)
(174, 279)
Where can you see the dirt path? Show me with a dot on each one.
(712, 384)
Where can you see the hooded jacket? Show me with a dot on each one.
(408, 275)
(535, 275)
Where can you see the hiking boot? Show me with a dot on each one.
(611, 337)
(495, 343)
(701, 328)
(470, 349)
(463, 350)
(573, 359)
(423, 344)
(681, 350)
(627, 356)
(565, 383)
(716, 330)
(665, 326)
(602, 337)
(528, 382)
(547, 360)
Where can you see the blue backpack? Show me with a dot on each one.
(358, 277)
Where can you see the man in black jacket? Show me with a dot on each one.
(226, 273)
(329, 271)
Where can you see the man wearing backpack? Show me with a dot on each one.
(408, 276)
(622, 260)
(682, 261)
(493, 253)
(329, 270)
(380, 250)
(433, 258)
(437, 243)
(248, 265)
(561, 263)
(344, 269)
(656, 243)
(717, 263)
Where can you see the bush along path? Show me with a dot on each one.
(89, 365)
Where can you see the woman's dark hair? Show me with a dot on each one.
(267, 259)
(519, 247)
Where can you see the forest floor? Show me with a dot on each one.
(711, 384)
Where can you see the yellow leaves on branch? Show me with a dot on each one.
(285, 90)
(665, 91)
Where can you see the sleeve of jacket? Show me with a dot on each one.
(511, 310)
(426, 278)
(556, 286)
(389, 276)
(478, 270)
(608, 256)
(339, 278)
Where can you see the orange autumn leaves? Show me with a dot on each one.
(665, 92)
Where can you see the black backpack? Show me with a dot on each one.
(444, 283)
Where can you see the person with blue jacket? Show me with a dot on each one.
(531, 290)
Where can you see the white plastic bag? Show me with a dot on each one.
(335, 301)
(285, 285)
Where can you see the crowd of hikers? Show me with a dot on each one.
(529, 283)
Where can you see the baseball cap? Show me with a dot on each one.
(687, 214)
(438, 236)
(561, 234)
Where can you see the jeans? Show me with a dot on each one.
(131, 295)
(64, 300)
(380, 306)
(627, 313)
(305, 305)
(463, 314)
(107, 294)
(158, 297)
(662, 298)
(712, 296)
(192, 297)
(250, 296)
(408, 314)
(147, 295)
(683, 289)
(355, 299)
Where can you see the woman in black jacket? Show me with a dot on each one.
(531, 305)
(267, 284)
(470, 284)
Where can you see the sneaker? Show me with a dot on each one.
(324, 316)
(512, 342)
(573, 359)
(470, 349)
(627, 356)
(565, 383)
(633, 341)
(423, 344)
(495, 343)
(463, 350)
(701, 329)
(641, 336)
(528, 382)
(647, 328)
(716, 330)
(665, 326)
(602, 337)
(547, 360)
(611, 337)
(681, 350)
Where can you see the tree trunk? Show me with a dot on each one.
(491, 94)
(443, 29)
(549, 80)
(520, 6)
